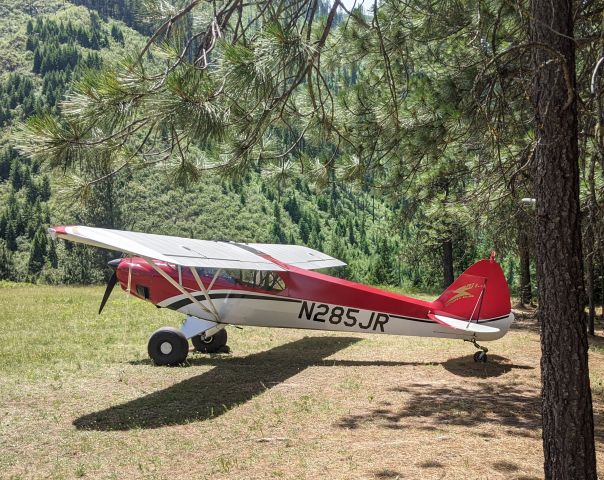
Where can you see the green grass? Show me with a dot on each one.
(80, 399)
(48, 329)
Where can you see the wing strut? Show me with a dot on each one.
(180, 288)
(205, 292)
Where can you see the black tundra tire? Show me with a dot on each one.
(168, 346)
(214, 344)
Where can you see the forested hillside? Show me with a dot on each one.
(418, 235)
(46, 48)
(50, 49)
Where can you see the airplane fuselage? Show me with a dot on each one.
(296, 298)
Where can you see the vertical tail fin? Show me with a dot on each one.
(481, 292)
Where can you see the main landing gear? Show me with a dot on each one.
(216, 343)
(169, 346)
(481, 354)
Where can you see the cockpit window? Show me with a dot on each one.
(269, 281)
(258, 279)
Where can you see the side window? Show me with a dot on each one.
(274, 282)
(205, 271)
(257, 279)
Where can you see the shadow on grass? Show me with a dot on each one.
(596, 341)
(232, 382)
(495, 367)
(215, 360)
(462, 366)
(526, 325)
(387, 474)
(513, 407)
(235, 380)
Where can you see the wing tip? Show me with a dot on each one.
(55, 231)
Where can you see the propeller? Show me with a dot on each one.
(112, 281)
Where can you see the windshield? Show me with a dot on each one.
(265, 280)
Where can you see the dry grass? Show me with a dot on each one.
(78, 398)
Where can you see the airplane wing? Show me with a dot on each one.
(463, 326)
(185, 252)
(298, 256)
(190, 252)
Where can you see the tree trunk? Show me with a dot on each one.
(568, 431)
(447, 258)
(526, 294)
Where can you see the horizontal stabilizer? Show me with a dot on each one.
(463, 325)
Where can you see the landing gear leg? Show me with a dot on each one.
(206, 336)
(481, 354)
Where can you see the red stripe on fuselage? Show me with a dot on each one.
(300, 284)
(318, 287)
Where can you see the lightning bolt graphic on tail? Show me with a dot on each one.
(462, 292)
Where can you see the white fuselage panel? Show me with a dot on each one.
(254, 309)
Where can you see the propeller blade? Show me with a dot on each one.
(108, 290)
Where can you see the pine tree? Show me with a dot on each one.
(384, 266)
(7, 268)
(37, 66)
(277, 229)
(45, 190)
(31, 192)
(117, 34)
(11, 236)
(292, 207)
(567, 412)
(52, 254)
(304, 230)
(30, 44)
(15, 176)
(351, 237)
(5, 164)
(37, 252)
(338, 250)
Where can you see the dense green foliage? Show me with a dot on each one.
(128, 11)
(352, 226)
(417, 111)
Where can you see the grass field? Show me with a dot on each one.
(79, 399)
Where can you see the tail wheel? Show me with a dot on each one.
(217, 343)
(168, 346)
(480, 356)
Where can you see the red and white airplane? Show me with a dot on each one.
(216, 284)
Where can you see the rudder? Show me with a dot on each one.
(481, 292)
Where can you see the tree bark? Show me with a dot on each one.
(447, 262)
(568, 431)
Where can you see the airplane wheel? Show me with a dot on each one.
(214, 344)
(480, 356)
(168, 346)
